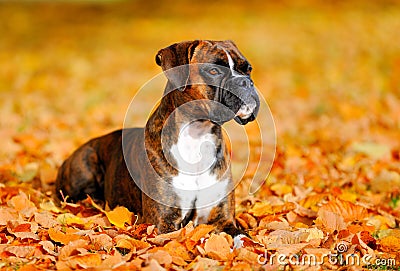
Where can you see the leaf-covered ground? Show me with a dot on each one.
(330, 73)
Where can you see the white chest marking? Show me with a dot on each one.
(195, 185)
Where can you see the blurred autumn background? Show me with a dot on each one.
(330, 71)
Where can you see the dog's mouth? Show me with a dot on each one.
(246, 113)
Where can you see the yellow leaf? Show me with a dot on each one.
(348, 196)
(390, 243)
(50, 206)
(265, 208)
(372, 150)
(281, 189)
(261, 208)
(119, 216)
(57, 236)
(139, 244)
(69, 219)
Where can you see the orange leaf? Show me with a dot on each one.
(390, 243)
(176, 249)
(349, 211)
(312, 200)
(139, 244)
(265, 208)
(57, 236)
(217, 247)
(330, 220)
(200, 231)
(161, 256)
(21, 202)
(7, 214)
(84, 261)
(119, 216)
(281, 189)
(71, 249)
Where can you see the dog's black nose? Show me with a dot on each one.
(243, 81)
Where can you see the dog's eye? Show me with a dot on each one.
(214, 71)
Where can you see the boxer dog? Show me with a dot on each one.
(176, 169)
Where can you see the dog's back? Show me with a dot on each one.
(95, 165)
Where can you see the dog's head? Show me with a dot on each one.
(219, 66)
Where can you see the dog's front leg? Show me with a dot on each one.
(165, 218)
(223, 217)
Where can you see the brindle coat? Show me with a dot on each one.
(98, 168)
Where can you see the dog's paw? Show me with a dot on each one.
(238, 241)
(242, 241)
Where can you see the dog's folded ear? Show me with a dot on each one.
(174, 62)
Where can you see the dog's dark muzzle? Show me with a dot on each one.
(241, 97)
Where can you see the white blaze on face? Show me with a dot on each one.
(232, 65)
(245, 110)
(195, 185)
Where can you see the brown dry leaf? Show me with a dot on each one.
(200, 231)
(330, 220)
(246, 255)
(7, 214)
(286, 237)
(139, 244)
(217, 247)
(248, 220)
(46, 220)
(161, 256)
(64, 238)
(21, 251)
(153, 266)
(48, 246)
(349, 211)
(242, 266)
(202, 264)
(22, 229)
(22, 204)
(84, 261)
(101, 241)
(194, 236)
(119, 216)
(313, 233)
(112, 261)
(278, 224)
(70, 249)
(174, 248)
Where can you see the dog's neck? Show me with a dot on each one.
(179, 108)
(189, 122)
